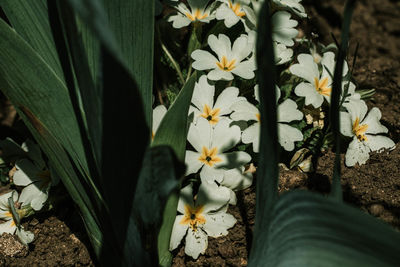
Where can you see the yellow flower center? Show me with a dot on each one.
(258, 117)
(322, 86)
(193, 216)
(226, 65)
(210, 114)
(196, 15)
(20, 212)
(236, 9)
(209, 157)
(359, 130)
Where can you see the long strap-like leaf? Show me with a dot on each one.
(267, 172)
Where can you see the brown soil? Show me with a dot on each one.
(375, 187)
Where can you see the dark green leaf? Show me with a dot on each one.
(173, 132)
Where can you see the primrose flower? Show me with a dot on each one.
(231, 60)
(231, 11)
(287, 112)
(10, 225)
(283, 28)
(236, 179)
(206, 216)
(210, 144)
(203, 101)
(364, 130)
(158, 114)
(36, 182)
(316, 87)
(198, 11)
(282, 53)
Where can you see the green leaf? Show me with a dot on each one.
(30, 20)
(173, 132)
(311, 230)
(132, 22)
(158, 178)
(267, 173)
(29, 82)
(336, 191)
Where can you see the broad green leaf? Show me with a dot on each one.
(336, 191)
(312, 230)
(173, 132)
(132, 22)
(267, 173)
(28, 81)
(85, 96)
(158, 179)
(31, 21)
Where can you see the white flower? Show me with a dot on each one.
(283, 30)
(364, 130)
(287, 111)
(158, 114)
(210, 144)
(203, 101)
(36, 182)
(201, 218)
(316, 86)
(230, 59)
(198, 11)
(231, 11)
(282, 53)
(10, 225)
(235, 180)
(292, 5)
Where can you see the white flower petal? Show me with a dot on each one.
(196, 243)
(26, 172)
(357, 109)
(211, 174)
(185, 198)
(218, 224)
(236, 179)
(306, 68)
(233, 160)
(179, 21)
(34, 196)
(252, 135)
(287, 111)
(193, 164)
(4, 199)
(225, 136)
(226, 99)
(245, 69)
(8, 227)
(199, 134)
(312, 97)
(158, 114)
(244, 110)
(377, 142)
(203, 94)
(283, 30)
(357, 152)
(372, 120)
(241, 48)
(346, 126)
(178, 232)
(226, 14)
(203, 60)
(212, 197)
(288, 135)
(218, 74)
(221, 45)
(26, 237)
(282, 53)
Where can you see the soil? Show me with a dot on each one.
(374, 187)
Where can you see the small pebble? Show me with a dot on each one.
(376, 209)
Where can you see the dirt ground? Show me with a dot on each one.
(374, 187)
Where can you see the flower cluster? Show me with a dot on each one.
(31, 176)
(224, 133)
